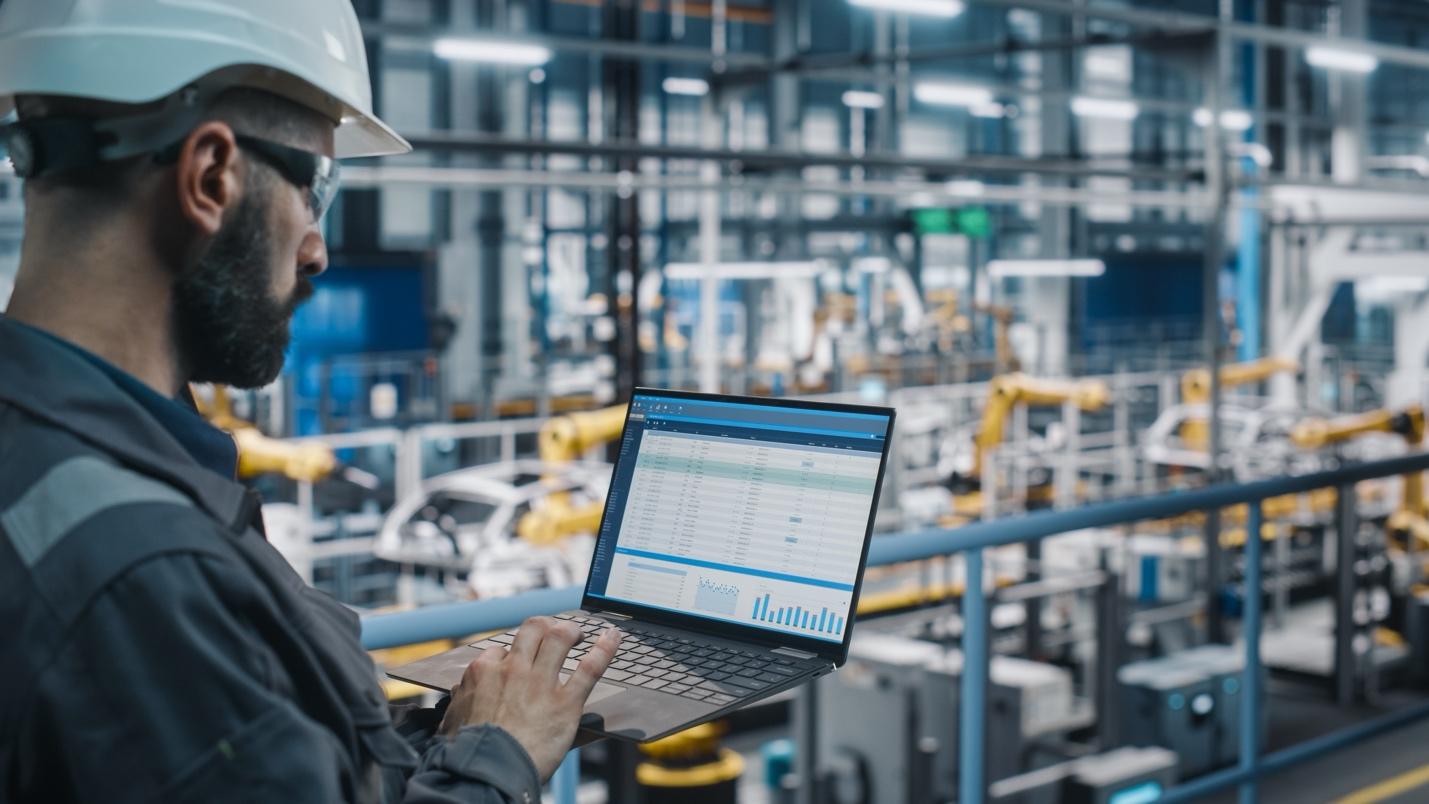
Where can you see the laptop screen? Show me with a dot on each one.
(747, 513)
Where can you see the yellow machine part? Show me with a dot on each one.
(728, 767)
(1007, 392)
(562, 440)
(691, 758)
(1196, 390)
(260, 455)
(1411, 520)
(565, 438)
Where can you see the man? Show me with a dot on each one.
(178, 158)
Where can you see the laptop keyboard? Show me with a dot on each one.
(675, 665)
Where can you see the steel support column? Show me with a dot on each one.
(1250, 702)
(972, 702)
(1346, 528)
(621, 90)
(567, 779)
(1109, 653)
(1217, 185)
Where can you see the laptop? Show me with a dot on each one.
(730, 554)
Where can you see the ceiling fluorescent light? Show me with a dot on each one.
(1106, 108)
(1231, 119)
(932, 8)
(491, 51)
(745, 270)
(694, 87)
(990, 110)
(861, 99)
(998, 269)
(1106, 64)
(952, 94)
(966, 188)
(1333, 58)
(1254, 151)
(1388, 289)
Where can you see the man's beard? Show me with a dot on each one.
(230, 329)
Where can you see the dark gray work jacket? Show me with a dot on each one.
(156, 648)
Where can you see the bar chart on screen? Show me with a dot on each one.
(798, 616)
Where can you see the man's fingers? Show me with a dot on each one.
(528, 639)
(593, 664)
(560, 638)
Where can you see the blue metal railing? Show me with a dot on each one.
(456, 620)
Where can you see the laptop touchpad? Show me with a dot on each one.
(602, 691)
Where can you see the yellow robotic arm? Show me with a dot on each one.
(565, 438)
(1196, 390)
(260, 455)
(1408, 423)
(1009, 391)
(562, 440)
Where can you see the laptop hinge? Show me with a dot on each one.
(612, 615)
(797, 654)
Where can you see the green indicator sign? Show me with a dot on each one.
(971, 221)
(934, 221)
(975, 222)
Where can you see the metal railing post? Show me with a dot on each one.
(567, 778)
(806, 726)
(1250, 678)
(972, 703)
(1108, 656)
(1345, 528)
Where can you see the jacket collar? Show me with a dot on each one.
(60, 387)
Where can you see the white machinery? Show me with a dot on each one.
(466, 522)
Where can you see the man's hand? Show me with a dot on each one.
(520, 689)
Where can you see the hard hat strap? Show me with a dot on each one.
(59, 144)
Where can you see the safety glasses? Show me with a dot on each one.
(314, 173)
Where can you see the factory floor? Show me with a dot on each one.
(1393, 767)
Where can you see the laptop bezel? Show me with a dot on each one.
(837, 652)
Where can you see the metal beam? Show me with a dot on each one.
(972, 164)
(1181, 22)
(422, 36)
(916, 191)
(812, 64)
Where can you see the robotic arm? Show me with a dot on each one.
(259, 454)
(561, 441)
(1009, 391)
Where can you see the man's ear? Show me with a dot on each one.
(209, 179)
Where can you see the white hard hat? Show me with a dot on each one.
(138, 51)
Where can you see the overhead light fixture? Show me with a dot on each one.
(1334, 58)
(1231, 119)
(931, 8)
(744, 270)
(1254, 151)
(862, 99)
(966, 188)
(491, 51)
(999, 269)
(952, 94)
(693, 87)
(1104, 108)
(1106, 63)
(1390, 288)
(989, 110)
